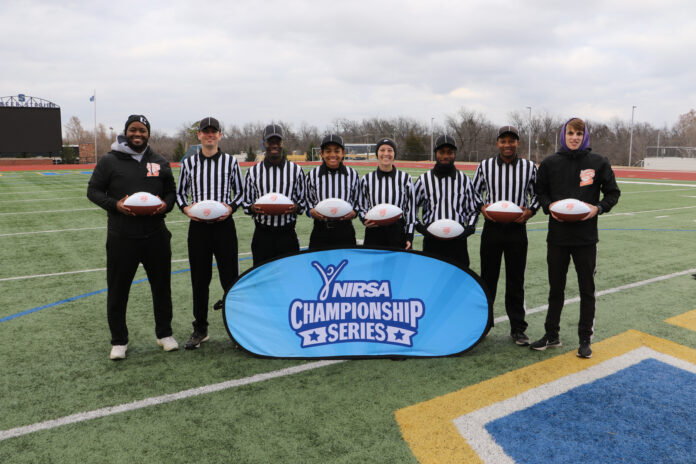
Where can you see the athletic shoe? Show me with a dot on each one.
(520, 338)
(118, 352)
(547, 341)
(584, 351)
(218, 305)
(195, 341)
(168, 343)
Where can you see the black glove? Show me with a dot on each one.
(469, 230)
(420, 227)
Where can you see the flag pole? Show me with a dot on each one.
(94, 96)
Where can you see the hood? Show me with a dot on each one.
(121, 145)
(585, 139)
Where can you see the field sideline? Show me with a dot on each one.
(64, 401)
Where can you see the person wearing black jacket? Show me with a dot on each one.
(132, 166)
(573, 172)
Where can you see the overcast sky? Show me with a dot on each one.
(316, 61)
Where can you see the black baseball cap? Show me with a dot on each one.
(443, 140)
(272, 130)
(508, 130)
(209, 122)
(332, 138)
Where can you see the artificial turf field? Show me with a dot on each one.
(233, 407)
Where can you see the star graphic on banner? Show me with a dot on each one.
(399, 335)
(314, 336)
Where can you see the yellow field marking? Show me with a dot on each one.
(428, 427)
(686, 320)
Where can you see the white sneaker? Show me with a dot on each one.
(118, 352)
(168, 343)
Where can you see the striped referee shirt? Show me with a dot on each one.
(343, 183)
(216, 178)
(496, 180)
(286, 178)
(394, 187)
(447, 197)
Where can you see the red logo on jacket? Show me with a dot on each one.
(153, 170)
(587, 177)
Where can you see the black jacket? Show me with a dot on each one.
(117, 175)
(581, 175)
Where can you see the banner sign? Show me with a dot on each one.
(356, 302)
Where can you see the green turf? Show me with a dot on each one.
(55, 361)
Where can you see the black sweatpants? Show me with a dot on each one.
(585, 261)
(509, 240)
(392, 235)
(122, 258)
(269, 242)
(205, 240)
(332, 234)
(455, 248)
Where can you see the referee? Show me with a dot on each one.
(209, 175)
(274, 235)
(446, 193)
(332, 179)
(386, 184)
(507, 177)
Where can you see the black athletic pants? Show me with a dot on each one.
(455, 248)
(332, 234)
(585, 261)
(205, 240)
(509, 240)
(122, 258)
(269, 242)
(392, 235)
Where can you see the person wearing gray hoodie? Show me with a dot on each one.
(132, 166)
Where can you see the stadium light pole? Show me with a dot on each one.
(630, 143)
(529, 134)
(95, 125)
(431, 138)
(657, 151)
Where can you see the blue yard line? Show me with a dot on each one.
(84, 295)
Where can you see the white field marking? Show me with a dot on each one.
(52, 211)
(627, 213)
(45, 190)
(45, 199)
(36, 276)
(34, 232)
(658, 191)
(661, 217)
(606, 292)
(157, 400)
(655, 183)
(472, 426)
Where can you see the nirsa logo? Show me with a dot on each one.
(354, 311)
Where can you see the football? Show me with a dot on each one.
(333, 208)
(446, 229)
(208, 210)
(570, 209)
(384, 214)
(273, 203)
(503, 211)
(142, 203)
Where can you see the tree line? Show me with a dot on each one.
(474, 132)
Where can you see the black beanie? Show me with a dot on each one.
(385, 141)
(137, 118)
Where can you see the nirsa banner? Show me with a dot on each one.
(356, 302)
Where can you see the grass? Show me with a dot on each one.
(54, 361)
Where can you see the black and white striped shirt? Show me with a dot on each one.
(286, 178)
(394, 187)
(343, 183)
(446, 197)
(216, 178)
(512, 182)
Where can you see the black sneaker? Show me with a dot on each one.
(218, 305)
(547, 341)
(195, 340)
(584, 351)
(520, 338)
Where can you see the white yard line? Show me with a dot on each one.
(654, 183)
(52, 211)
(52, 199)
(606, 292)
(157, 400)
